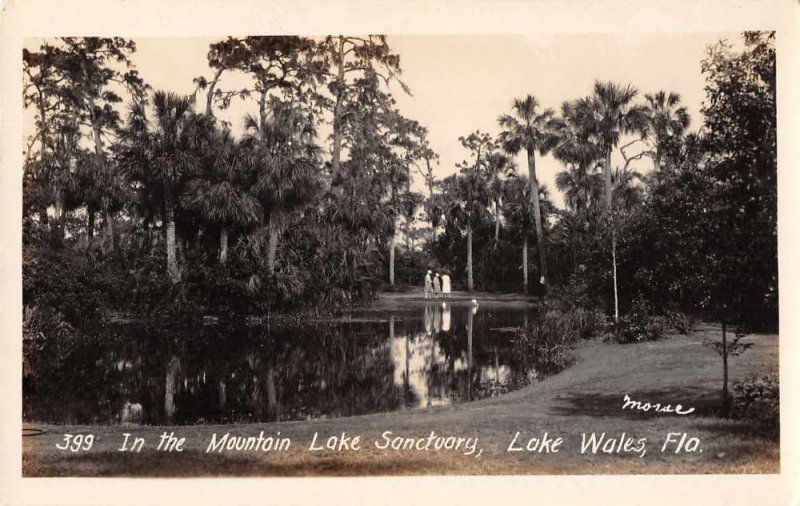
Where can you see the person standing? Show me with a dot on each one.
(446, 285)
(437, 287)
(428, 285)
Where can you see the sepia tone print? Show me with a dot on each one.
(400, 255)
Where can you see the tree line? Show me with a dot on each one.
(155, 198)
(697, 233)
(173, 185)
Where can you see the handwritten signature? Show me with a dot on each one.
(655, 407)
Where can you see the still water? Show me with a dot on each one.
(368, 361)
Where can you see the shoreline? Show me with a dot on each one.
(392, 300)
(383, 301)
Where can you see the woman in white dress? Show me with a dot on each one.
(446, 286)
(428, 285)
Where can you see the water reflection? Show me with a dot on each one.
(430, 355)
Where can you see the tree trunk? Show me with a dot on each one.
(58, 231)
(169, 217)
(391, 260)
(272, 245)
(525, 264)
(725, 395)
(337, 112)
(610, 218)
(429, 181)
(223, 398)
(169, 388)
(223, 245)
(210, 96)
(100, 161)
(262, 112)
(608, 183)
(44, 219)
(614, 268)
(90, 226)
(256, 402)
(272, 395)
(109, 219)
(537, 215)
(180, 246)
(496, 223)
(470, 284)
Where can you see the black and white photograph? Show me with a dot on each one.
(378, 253)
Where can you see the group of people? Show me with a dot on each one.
(437, 285)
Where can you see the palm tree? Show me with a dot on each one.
(410, 201)
(531, 129)
(498, 168)
(580, 187)
(396, 178)
(162, 154)
(611, 115)
(103, 190)
(581, 184)
(283, 159)
(627, 193)
(219, 197)
(434, 209)
(432, 204)
(517, 210)
(666, 121)
(466, 197)
(60, 176)
(604, 118)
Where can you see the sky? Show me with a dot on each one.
(460, 84)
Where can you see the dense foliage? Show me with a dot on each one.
(140, 201)
(194, 219)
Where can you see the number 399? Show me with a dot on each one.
(76, 442)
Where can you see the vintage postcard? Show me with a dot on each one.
(358, 240)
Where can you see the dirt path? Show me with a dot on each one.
(584, 400)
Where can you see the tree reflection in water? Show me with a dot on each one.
(436, 354)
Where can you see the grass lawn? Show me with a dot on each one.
(586, 398)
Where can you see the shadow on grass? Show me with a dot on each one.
(704, 401)
(708, 414)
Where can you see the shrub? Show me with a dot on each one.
(544, 345)
(79, 287)
(636, 325)
(575, 294)
(42, 326)
(679, 322)
(640, 325)
(589, 322)
(757, 400)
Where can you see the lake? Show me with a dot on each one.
(416, 356)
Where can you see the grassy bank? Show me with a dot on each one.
(586, 398)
